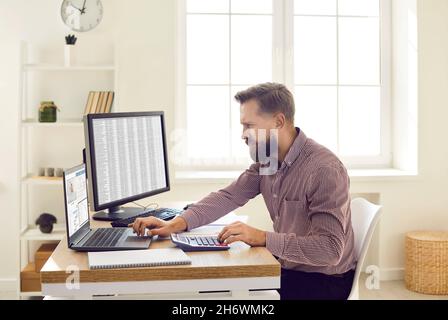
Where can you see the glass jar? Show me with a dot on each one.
(48, 111)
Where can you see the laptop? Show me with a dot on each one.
(80, 236)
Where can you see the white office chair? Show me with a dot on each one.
(365, 217)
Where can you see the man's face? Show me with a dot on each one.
(253, 121)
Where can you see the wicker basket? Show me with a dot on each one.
(426, 269)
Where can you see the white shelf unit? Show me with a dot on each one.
(31, 233)
(61, 123)
(66, 84)
(49, 67)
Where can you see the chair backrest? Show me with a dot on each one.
(365, 217)
(363, 214)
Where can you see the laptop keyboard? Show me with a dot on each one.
(103, 238)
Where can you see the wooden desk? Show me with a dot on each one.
(236, 271)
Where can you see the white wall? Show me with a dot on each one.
(9, 79)
(405, 84)
(39, 23)
(419, 203)
(145, 41)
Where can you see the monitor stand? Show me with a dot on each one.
(117, 213)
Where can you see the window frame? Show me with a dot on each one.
(282, 72)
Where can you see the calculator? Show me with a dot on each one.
(198, 242)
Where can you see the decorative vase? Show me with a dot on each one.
(46, 222)
(48, 111)
(69, 55)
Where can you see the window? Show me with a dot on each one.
(333, 54)
(341, 77)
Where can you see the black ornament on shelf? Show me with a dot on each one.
(45, 222)
(71, 39)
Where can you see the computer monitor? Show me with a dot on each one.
(126, 158)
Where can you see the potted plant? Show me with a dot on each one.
(48, 111)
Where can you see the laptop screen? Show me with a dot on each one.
(76, 199)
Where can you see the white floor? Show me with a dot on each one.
(394, 290)
(7, 295)
(389, 290)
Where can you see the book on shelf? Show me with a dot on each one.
(99, 102)
(110, 101)
(104, 104)
(89, 102)
(106, 98)
(96, 97)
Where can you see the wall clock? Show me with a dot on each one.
(82, 15)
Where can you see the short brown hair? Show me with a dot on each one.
(271, 97)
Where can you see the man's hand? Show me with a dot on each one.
(157, 226)
(239, 231)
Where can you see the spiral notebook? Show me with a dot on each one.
(137, 258)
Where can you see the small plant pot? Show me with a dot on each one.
(48, 112)
(69, 55)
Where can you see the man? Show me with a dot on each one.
(307, 198)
